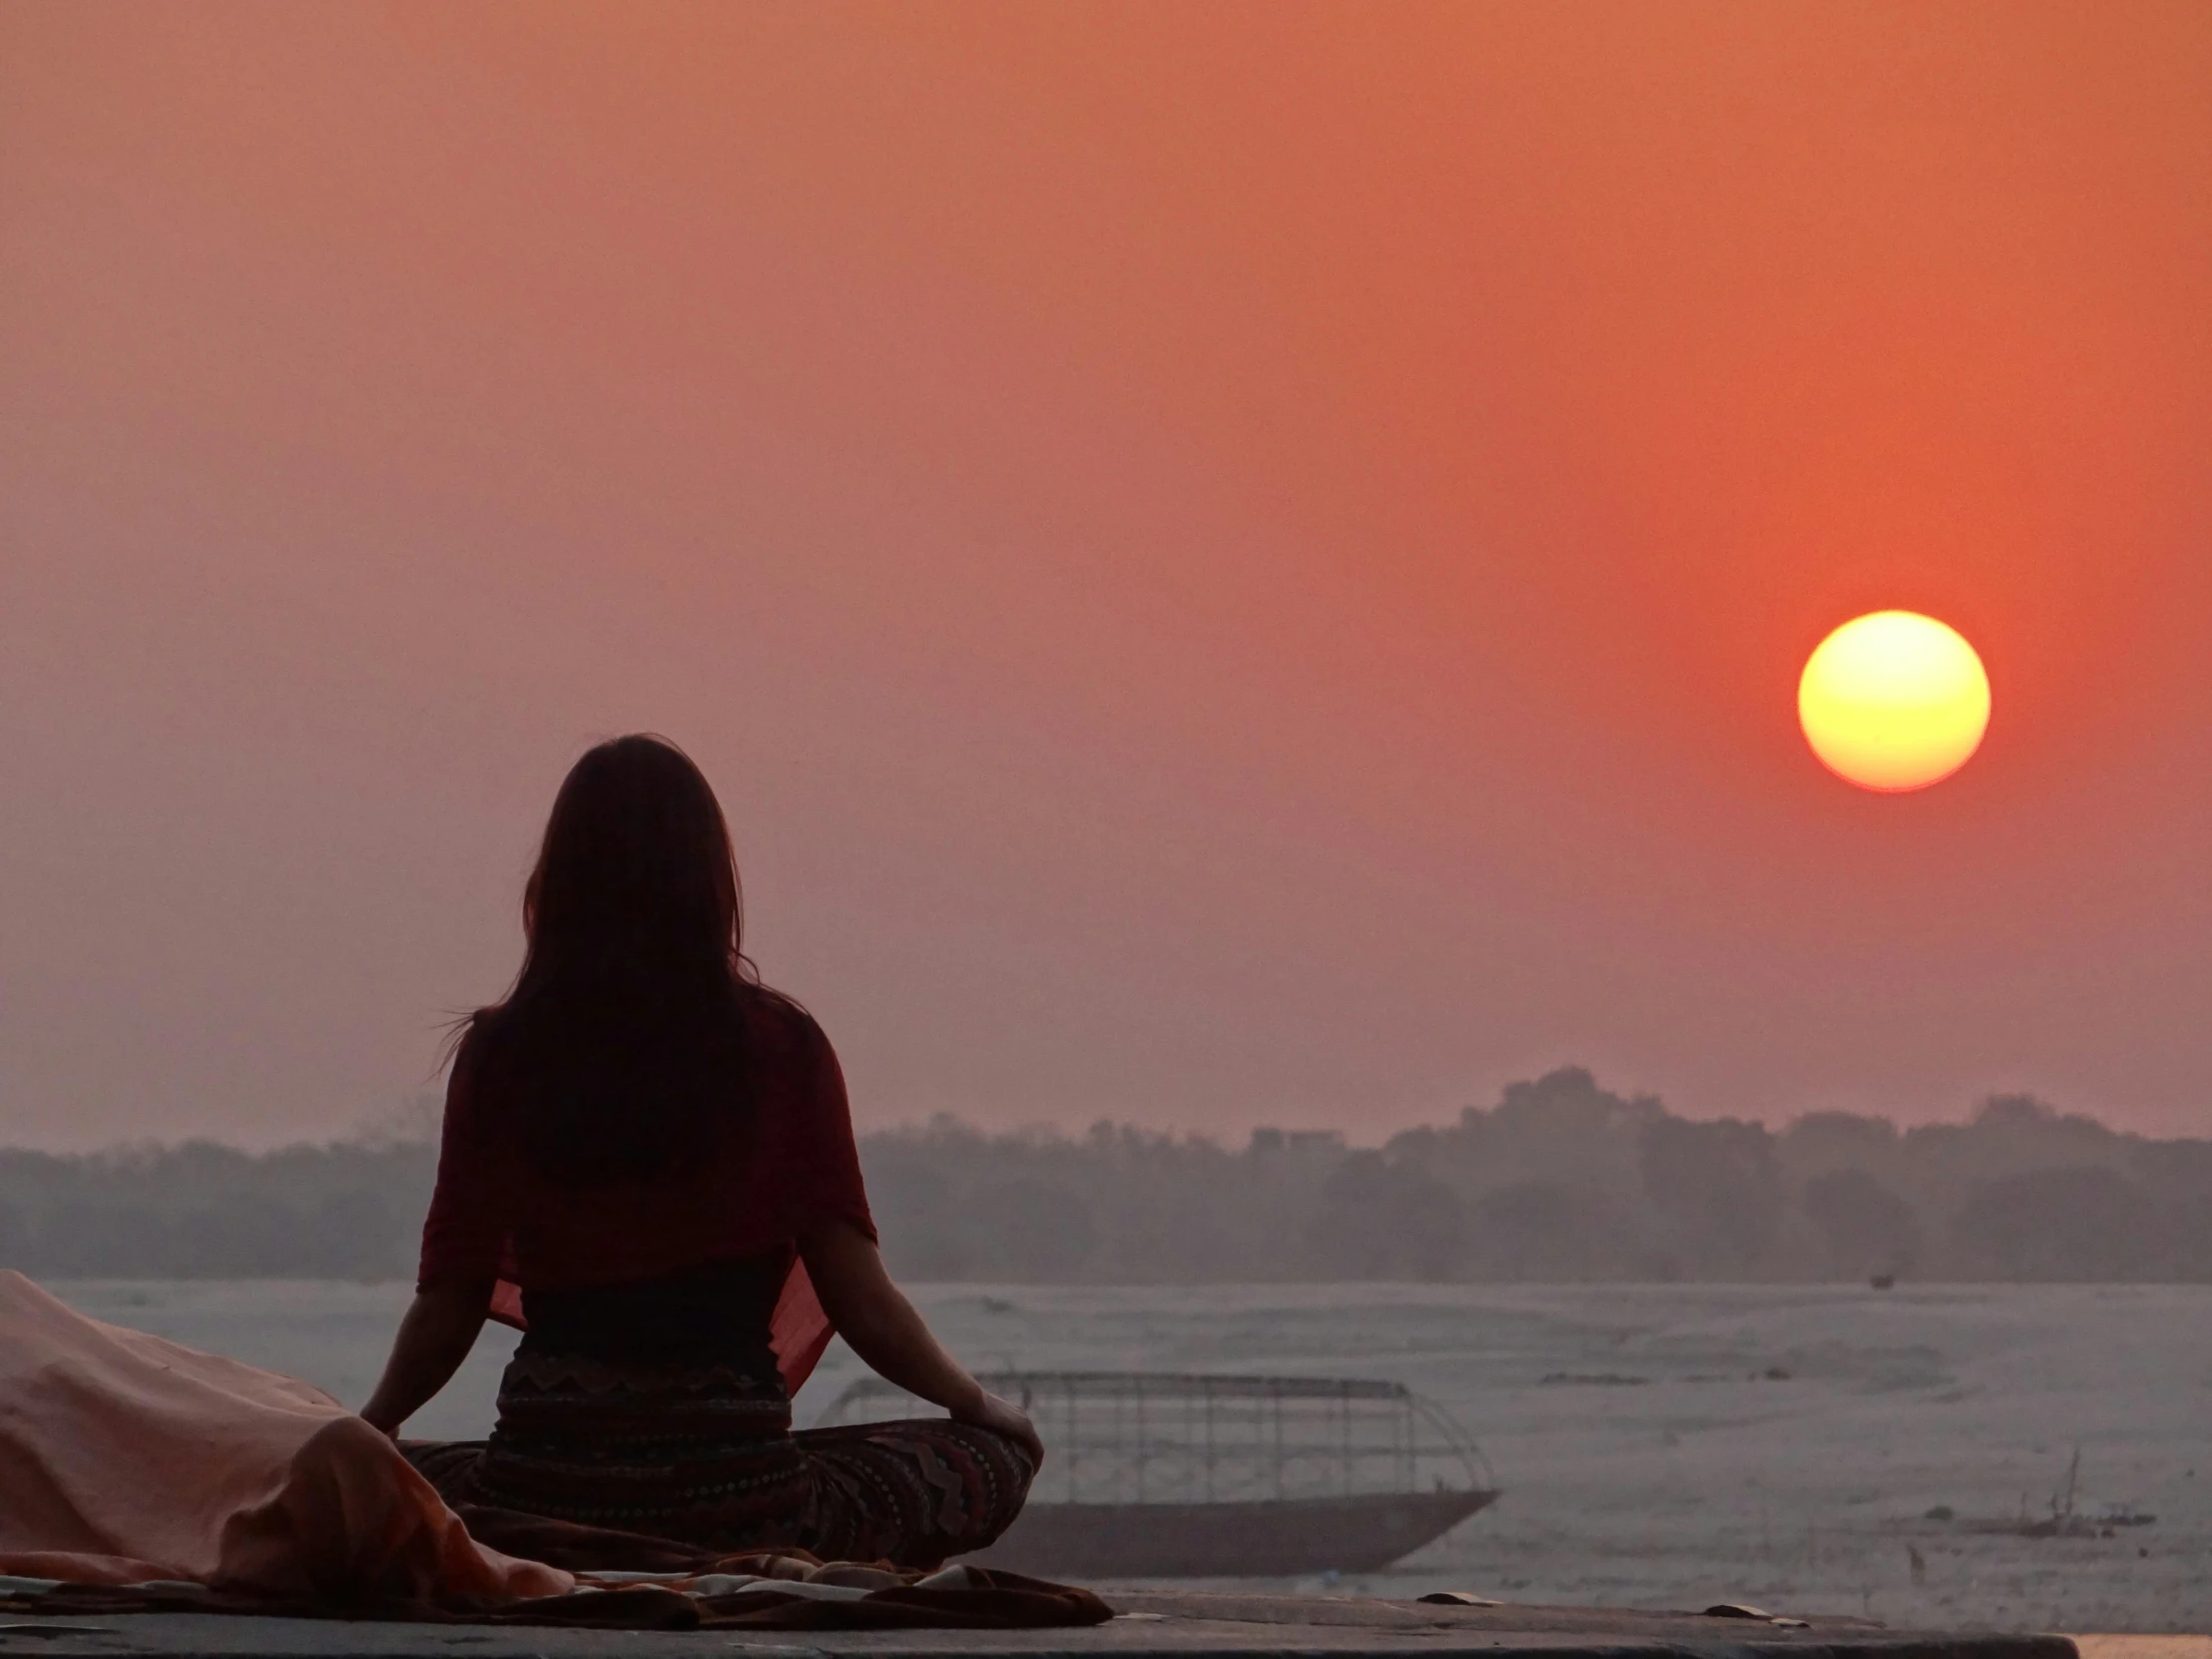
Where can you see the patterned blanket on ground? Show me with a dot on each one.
(754, 1592)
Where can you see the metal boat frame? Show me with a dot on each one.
(1201, 1474)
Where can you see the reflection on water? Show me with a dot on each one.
(1812, 1448)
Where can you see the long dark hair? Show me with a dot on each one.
(621, 1048)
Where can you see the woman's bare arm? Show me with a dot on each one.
(880, 1325)
(436, 1334)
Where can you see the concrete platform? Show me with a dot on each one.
(1152, 1625)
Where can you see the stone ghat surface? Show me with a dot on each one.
(1150, 1623)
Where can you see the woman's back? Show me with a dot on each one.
(782, 1165)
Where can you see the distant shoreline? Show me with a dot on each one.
(1561, 1182)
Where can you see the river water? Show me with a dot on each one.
(1805, 1448)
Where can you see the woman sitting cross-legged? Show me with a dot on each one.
(656, 1149)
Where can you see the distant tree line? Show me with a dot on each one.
(1561, 1180)
(351, 1210)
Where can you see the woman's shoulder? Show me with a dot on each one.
(781, 1029)
(476, 1043)
(469, 1056)
(482, 1062)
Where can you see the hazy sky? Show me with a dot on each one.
(1231, 563)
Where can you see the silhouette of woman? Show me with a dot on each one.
(648, 1163)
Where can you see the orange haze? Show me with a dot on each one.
(1233, 563)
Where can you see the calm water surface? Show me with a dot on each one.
(1808, 1448)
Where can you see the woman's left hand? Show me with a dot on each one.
(881, 1325)
(1008, 1418)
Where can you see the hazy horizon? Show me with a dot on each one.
(1561, 1180)
(1231, 564)
(416, 1118)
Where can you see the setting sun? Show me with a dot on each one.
(1894, 701)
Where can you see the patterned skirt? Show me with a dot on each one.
(707, 1456)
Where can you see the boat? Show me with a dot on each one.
(1172, 1474)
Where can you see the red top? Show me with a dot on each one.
(495, 1215)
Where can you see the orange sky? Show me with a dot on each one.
(1232, 563)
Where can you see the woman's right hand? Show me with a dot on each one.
(987, 1410)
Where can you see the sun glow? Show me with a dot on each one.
(1894, 701)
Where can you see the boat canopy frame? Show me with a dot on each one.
(1211, 1438)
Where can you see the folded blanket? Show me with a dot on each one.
(125, 1457)
(138, 1475)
